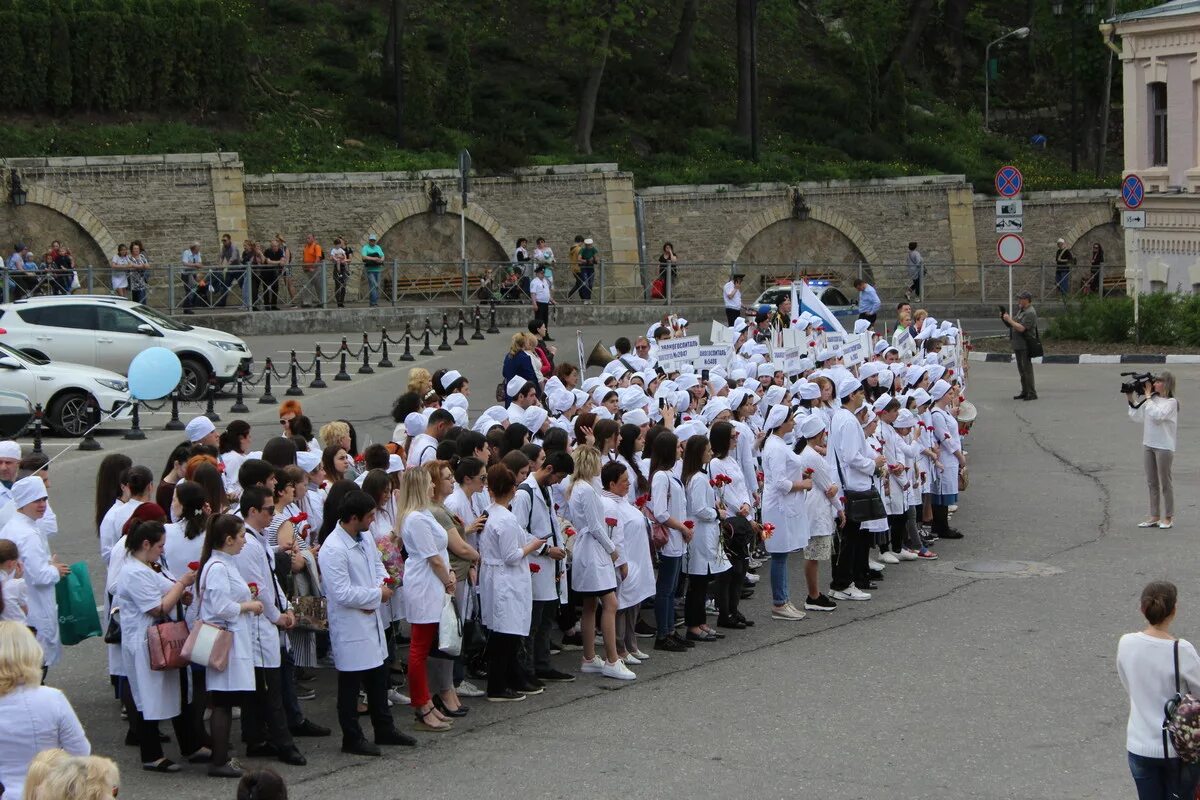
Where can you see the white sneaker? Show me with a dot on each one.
(468, 689)
(907, 555)
(888, 557)
(595, 665)
(801, 614)
(786, 613)
(397, 698)
(640, 656)
(631, 660)
(710, 608)
(616, 670)
(237, 712)
(855, 593)
(952, 509)
(752, 578)
(875, 565)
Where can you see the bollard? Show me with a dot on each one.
(445, 345)
(407, 356)
(37, 430)
(268, 370)
(239, 403)
(478, 334)
(210, 411)
(492, 326)
(294, 390)
(135, 428)
(384, 361)
(427, 350)
(366, 369)
(89, 442)
(342, 374)
(317, 381)
(462, 331)
(174, 423)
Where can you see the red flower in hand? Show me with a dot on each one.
(389, 582)
(759, 475)
(569, 532)
(610, 522)
(950, 372)
(714, 483)
(642, 500)
(725, 479)
(296, 520)
(808, 473)
(194, 566)
(253, 590)
(535, 567)
(946, 436)
(360, 459)
(687, 523)
(842, 498)
(962, 430)
(768, 530)
(970, 347)
(812, 344)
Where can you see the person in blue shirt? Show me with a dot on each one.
(868, 301)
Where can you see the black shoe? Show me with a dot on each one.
(875, 574)
(701, 637)
(951, 533)
(310, 728)
(554, 676)
(440, 705)
(292, 756)
(643, 629)
(1030, 397)
(361, 748)
(230, 769)
(507, 696)
(819, 603)
(869, 586)
(670, 645)
(303, 674)
(572, 641)
(530, 688)
(736, 624)
(740, 617)
(747, 594)
(1020, 397)
(261, 750)
(682, 640)
(395, 737)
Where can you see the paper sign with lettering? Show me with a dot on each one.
(853, 351)
(679, 351)
(834, 339)
(792, 337)
(905, 343)
(791, 360)
(712, 356)
(721, 333)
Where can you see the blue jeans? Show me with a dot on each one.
(1158, 778)
(779, 578)
(373, 286)
(669, 568)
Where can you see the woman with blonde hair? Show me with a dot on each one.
(58, 775)
(419, 381)
(427, 582)
(32, 717)
(521, 361)
(335, 433)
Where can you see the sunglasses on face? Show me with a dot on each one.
(284, 421)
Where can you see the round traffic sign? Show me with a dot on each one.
(1010, 248)
(1133, 192)
(1009, 181)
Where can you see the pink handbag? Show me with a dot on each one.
(207, 645)
(167, 641)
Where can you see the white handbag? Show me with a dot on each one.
(449, 629)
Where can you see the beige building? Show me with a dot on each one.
(1160, 55)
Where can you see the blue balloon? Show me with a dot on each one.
(153, 373)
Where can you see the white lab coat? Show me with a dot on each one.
(848, 444)
(424, 595)
(895, 499)
(33, 719)
(945, 433)
(536, 517)
(668, 499)
(221, 593)
(506, 592)
(592, 567)
(353, 575)
(41, 577)
(705, 554)
(781, 506)
(822, 511)
(140, 592)
(232, 461)
(632, 538)
(736, 493)
(421, 450)
(256, 564)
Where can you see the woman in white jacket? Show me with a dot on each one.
(706, 558)
(741, 530)
(635, 568)
(593, 570)
(1158, 410)
(823, 506)
(227, 601)
(668, 506)
(784, 486)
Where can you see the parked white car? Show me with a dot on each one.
(65, 391)
(107, 332)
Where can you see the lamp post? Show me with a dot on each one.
(1088, 8)
(1017, 33)
(17, 193)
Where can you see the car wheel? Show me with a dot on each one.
(194, 383)
(70, 414)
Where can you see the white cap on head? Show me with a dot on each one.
(739, 325)
(581, 396)
(886, 378)
(308, 460)
(920, 396)
(716, 383)
(460, 415)
(552, 383)
(636, 417)
(513, 387)
(766, 370)
(588, 241)
(869, 417)
(691, 428)
(535, 417)
(905, 419)
(712, 408)
(882, 401)
(633, 397)
(198, 428)
(687, 381)
(395, 464)
(848, 386)
(456, 400)
(813, 426)
(807, 364)
(414, 423)
(614, 368)
(682, 322)
(879, 347)
(28, 490)
(561, 400)
(774, 395)
(450, 377)
(913, 374)
(826, 354)
(869, 369)
(10, 449)
(935, 373)
(590, 383)
(810, 391)
(862, 325)
(737, 375)
(938, 391)
(776, 417)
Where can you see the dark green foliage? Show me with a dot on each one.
(1163, 319)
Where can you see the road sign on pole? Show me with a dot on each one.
(1010, 248)
(1009, 181)
(1133, 192)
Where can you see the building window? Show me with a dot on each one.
(1158, 124)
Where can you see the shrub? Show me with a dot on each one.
(1163, 320)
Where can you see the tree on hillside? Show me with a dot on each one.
(746, 9)
(681, 51)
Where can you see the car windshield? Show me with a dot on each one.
(161, 319)
(20, 356)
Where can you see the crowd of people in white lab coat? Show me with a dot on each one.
(579, 514)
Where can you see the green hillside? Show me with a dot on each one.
(863, 89)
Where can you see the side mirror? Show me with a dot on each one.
(8, 362)
(147, 329)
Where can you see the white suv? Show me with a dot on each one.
(65, 390)
(107, 332)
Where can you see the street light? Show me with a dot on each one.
(17, 193)
(1018, 33)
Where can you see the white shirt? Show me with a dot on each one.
(421, 450)
(33, 719)
(1146, 666)
(733, 296)
(1160, 418)
(539, 290)
(191, 259)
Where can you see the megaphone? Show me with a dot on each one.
(600, 357)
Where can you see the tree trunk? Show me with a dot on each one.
(954, 41)
(745, 67)
(591, 90)
(681, 51)
(918, 19)
(396, 34)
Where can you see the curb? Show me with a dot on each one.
(1086, 358)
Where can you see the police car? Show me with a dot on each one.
(833, 298)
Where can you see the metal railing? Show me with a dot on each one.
(178, 288)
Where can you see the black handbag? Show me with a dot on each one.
(1034, 343)
(112, 634)
(861, 504)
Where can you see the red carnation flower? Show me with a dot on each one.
(808, 473)
(360, 459)
(759, 475)
(842, 498)
(768, 530)
(194, 565)
(535, 567)
(642, 500)
(569, 532)
(714, 483)
(812, 344)
(389, 582)
(946, 436)
(296, 520)
(610, 522)
(962, 430)
(949, 372)
(687, 523)
(253, 590)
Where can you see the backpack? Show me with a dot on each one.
(1182, 721)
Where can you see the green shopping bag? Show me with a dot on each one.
(77, 615)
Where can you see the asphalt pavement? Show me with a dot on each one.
(952, 682)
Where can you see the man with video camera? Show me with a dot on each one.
(1026, 344)
(1152, 402)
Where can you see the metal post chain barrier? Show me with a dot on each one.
(366, 368)
(294, 389)
(492, 324)
(37, 429)
(407, 355)
(174, 423)
(317, 382)
(461, 341)
(427, 350)
(445, 345)
(239, 403)
(135, 431)
(210, 411)
(384, 361)
(89, 442)
(342, 375)
(478, 334)
(268, 370)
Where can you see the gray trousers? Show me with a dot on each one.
(1025, 370)
(1158, 478)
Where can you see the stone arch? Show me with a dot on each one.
(819, 213)
(419, 204)
(1084, 225)
(81, 216)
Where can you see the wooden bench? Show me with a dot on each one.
(430, 285)
(1113, 286)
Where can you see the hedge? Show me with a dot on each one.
(1163, 319)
